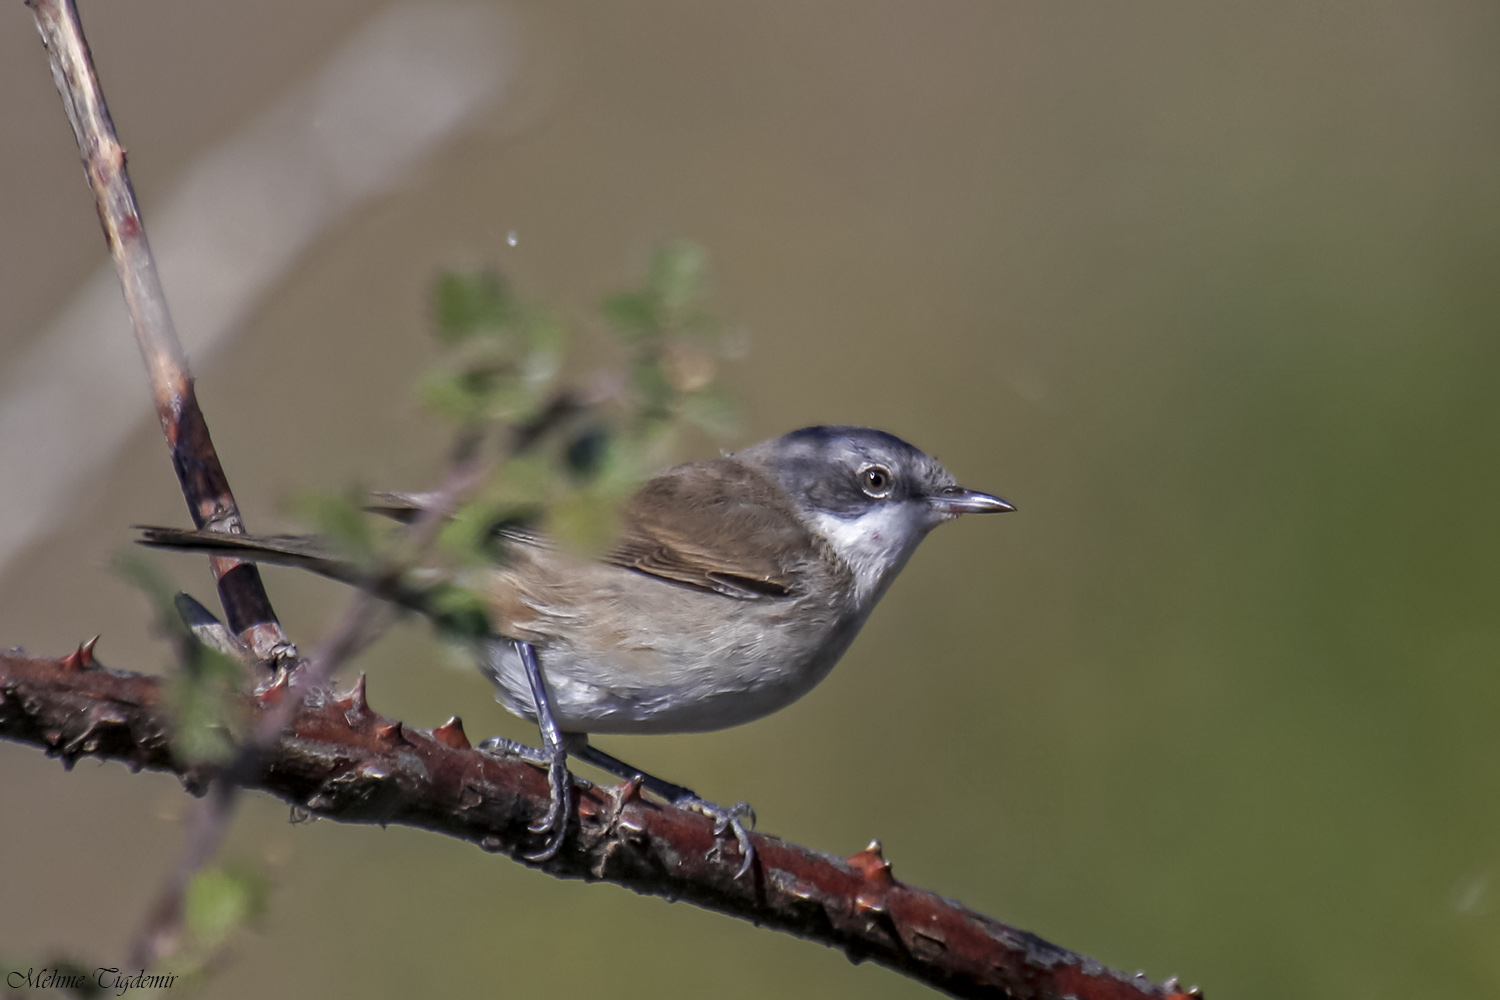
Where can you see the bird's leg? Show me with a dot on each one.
(553, 745)
(556, 745)
(553, 756)
(489, 665)
(731, 819)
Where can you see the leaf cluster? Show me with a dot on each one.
(570, 423)
(203, 690)
(573, 448)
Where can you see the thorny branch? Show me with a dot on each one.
(340, 760)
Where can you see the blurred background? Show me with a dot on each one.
(1209, 292)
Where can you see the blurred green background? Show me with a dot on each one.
(1208, 291)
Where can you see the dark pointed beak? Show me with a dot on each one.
(956, 500)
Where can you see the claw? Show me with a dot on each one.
(559, 783)
(499, 746)
(555, 823)
(738, 811)
(729, 820)
(724, 819)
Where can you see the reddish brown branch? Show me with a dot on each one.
(204, 485)
(342, 761)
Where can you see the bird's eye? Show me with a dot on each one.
(876, 481)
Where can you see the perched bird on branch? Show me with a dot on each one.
(734, 587)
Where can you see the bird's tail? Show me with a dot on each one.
(453, 608)
(303, 551)
(307, 552)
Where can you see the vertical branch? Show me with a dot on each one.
(204, 485)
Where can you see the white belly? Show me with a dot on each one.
(693, 682)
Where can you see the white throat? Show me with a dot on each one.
(875, 545)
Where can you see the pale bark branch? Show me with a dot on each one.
(204, 484)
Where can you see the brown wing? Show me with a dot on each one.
(727, 530)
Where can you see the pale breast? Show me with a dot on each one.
(624, 651)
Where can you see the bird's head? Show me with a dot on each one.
(871, 496)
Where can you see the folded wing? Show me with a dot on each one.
(727, 530)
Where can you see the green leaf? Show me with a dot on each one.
(502, 371)
(585, 522)
(632, 313)
(220, 900)
(459, 611)
(466, 303)
(713, 410)
(504, 358)
(677, 277)
(205, 717)
(149, 578)
(202, 692)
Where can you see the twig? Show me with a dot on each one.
(340, 760)
(204, 485)
(357, 628)
(207, 827)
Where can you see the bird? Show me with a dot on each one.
(735, 585)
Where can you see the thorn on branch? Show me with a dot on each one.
(871, 864)
(451, 734)
(81, 658)
(354, 704)
(390, 732)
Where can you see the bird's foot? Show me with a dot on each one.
(727, 820)
(555, 823)
(559, 782)
(499, 746)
